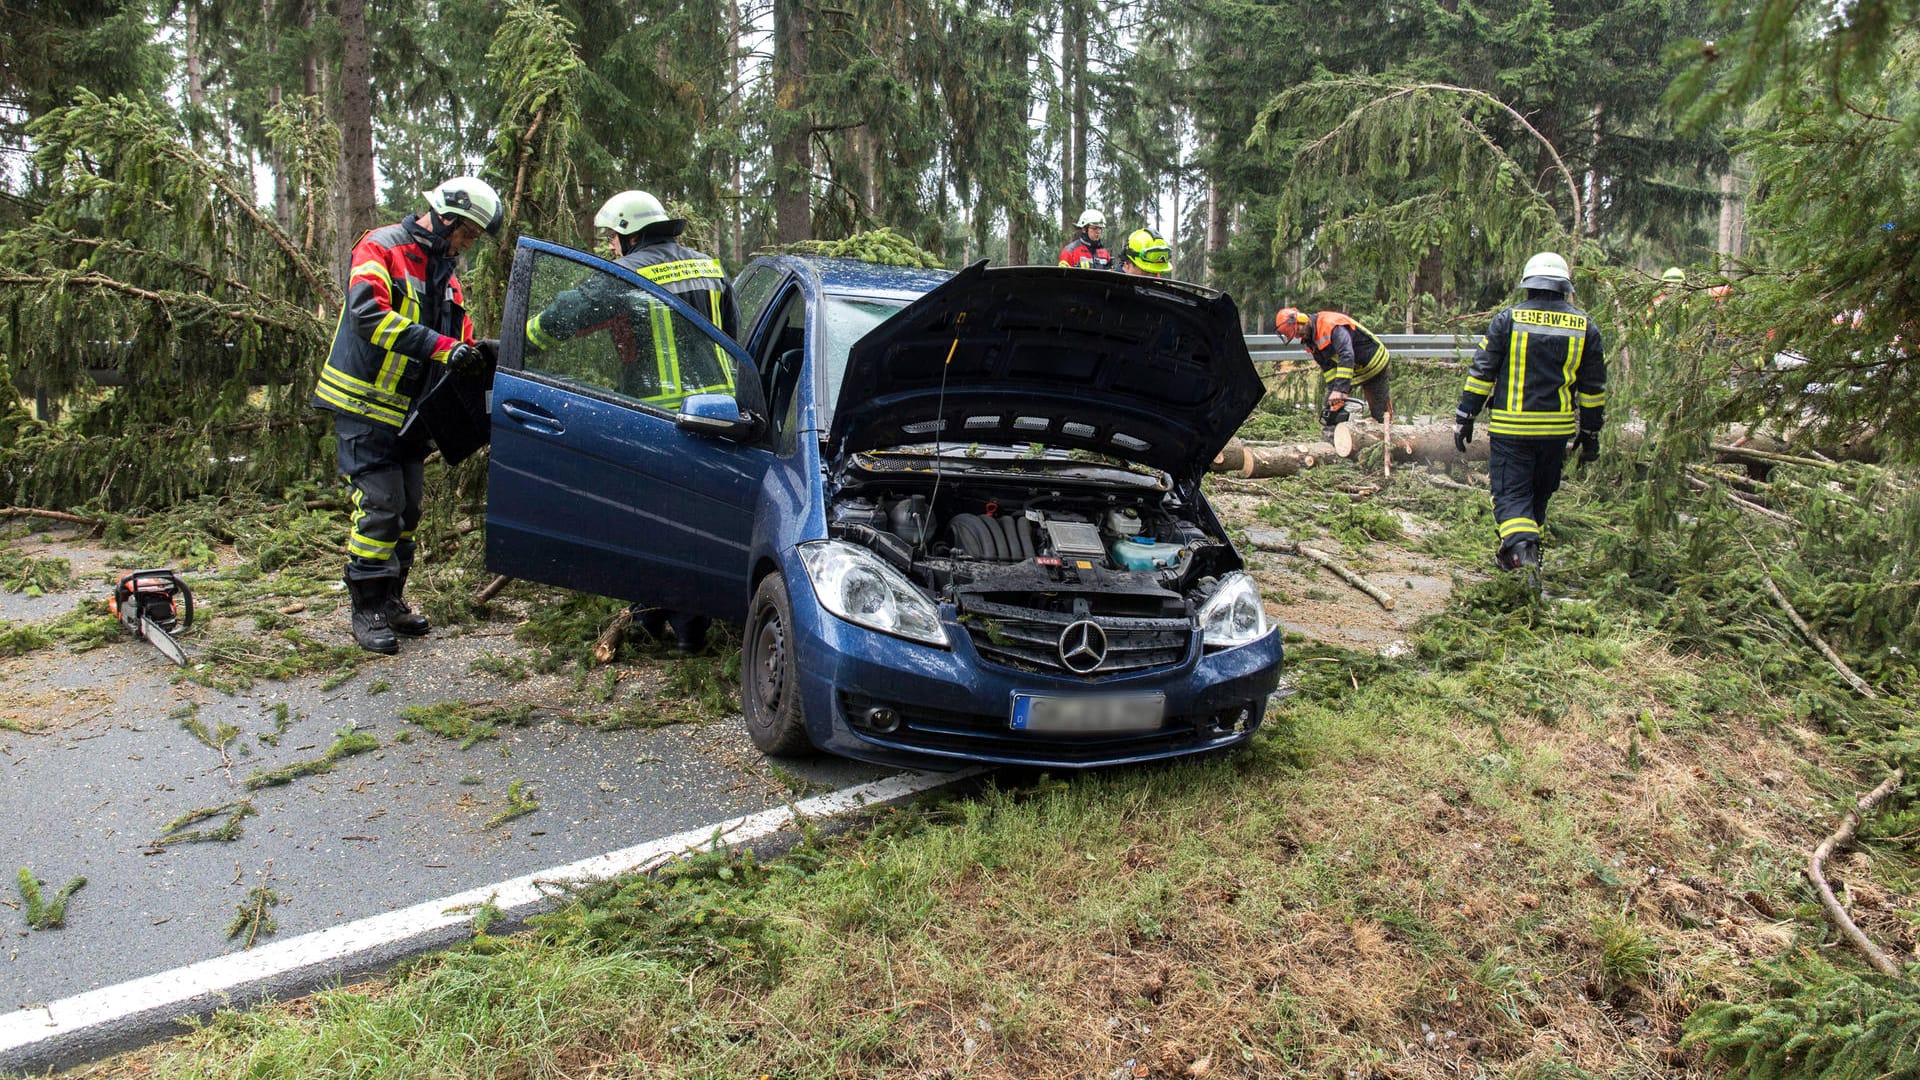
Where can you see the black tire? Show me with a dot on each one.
(770, 674)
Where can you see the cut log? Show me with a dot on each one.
(1258, 461)
(1230, 457)
(1419, 442)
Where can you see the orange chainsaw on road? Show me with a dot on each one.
(154, 604)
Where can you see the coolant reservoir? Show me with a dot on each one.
(1144, 553)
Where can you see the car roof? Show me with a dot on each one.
(851, 277)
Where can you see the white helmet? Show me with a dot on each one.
(1547, 271)
(469, 197)
(1091, 218)
(631, 211)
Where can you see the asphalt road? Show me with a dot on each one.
(397, 826)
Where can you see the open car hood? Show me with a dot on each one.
(1146, 370)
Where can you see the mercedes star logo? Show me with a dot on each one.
(1083, 646)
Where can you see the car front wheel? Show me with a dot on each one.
(769, 673)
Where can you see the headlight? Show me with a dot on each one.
(1233, 615)
(856, 585)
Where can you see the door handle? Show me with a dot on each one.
(532, 416)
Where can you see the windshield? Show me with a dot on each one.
(848, 319)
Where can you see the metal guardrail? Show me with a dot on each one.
(1450, 347)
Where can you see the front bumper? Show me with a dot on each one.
(952, 708)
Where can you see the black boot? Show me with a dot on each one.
(401, 617)
(689, 632)
(370, 629)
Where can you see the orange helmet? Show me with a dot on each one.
(1289, 322)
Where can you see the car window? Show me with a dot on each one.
(846, 320)
(588, 327)
(751, 291)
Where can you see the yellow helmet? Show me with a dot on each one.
(1148, 251)
(1674, 276)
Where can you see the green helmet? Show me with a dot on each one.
(1147, 250)
(1674, 276)
(467, 197)
(632, 211)
(1091, 218)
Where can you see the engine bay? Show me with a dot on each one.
(1129, 547)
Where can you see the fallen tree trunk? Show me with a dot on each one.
(1253, 462)
(1432, 443)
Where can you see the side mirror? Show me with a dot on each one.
(713, 414)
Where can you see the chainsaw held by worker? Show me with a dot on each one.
(155, 605)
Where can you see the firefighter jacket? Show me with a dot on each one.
(404, 310)
(673, 363)
(1086, 254)
(1540, 360)
(1346, 351)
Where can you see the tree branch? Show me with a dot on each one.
(1817, 874)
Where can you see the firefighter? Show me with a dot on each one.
(1086, 250)
(1543, 364)
(1147, 254)
(404, 313)
(640, 236)
(1349, 355)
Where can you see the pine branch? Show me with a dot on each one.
(205, 304)
(1816, 872)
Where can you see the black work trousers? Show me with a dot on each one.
(1526, 473)
(387, 477)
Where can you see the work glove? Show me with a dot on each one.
(490, 351)
(1588, 443)
(1462, 429)
(467, 361)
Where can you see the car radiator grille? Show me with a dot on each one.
(1029, 638)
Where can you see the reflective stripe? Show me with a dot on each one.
(358, 406)
(1483, 387)
(1372, 367)
(1593, 401)
(1574, 349)
(1517, 376)
(388, 331)
(356, 388)
(538, 337)
(669, 273)
(1518, 525)
(366, 547)
(373, 269)
(1503, 422)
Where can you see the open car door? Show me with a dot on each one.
(627, 452)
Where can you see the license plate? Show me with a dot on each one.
(1090, 714)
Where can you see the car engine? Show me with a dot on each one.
(1021, 559)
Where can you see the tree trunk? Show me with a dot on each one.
(276, 158)
(1728, 247)
(356, 126)
(735, 29)
(196, 75)
(792, 154)
(1427, 443)
(1258, 461)
(1081, 100)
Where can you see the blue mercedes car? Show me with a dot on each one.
(958, 516)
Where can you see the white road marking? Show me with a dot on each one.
(329, 952)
